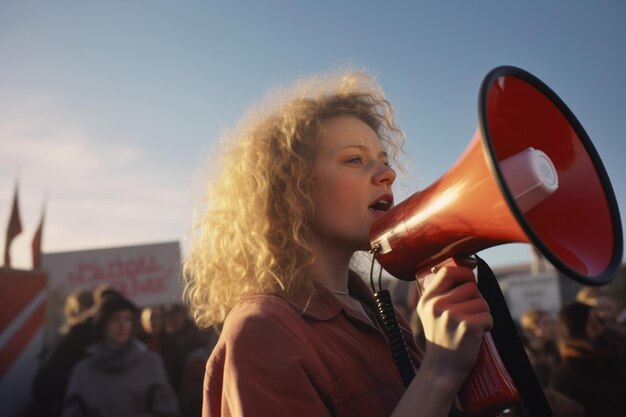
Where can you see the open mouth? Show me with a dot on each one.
(382, 203)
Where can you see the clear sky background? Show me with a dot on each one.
(110, 108)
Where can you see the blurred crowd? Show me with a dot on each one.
(112, 358)
(579, 356)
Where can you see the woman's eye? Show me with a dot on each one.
(355, 160)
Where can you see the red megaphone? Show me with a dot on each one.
(530, 174)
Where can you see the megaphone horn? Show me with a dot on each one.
(530, 174)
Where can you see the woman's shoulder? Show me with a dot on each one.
(261, 307)
(144, 356)
(261, 317)
(84, 370)
(260, 329)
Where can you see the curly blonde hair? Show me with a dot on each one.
(252, 236)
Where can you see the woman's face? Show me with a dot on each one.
(353, 182)
(152, 320)
(119, 327)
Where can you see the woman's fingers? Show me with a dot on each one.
(455, 317)
(465, 291)
(468, 262)
(452, 298)
(447, 278)
(466, 307)
(473, 310)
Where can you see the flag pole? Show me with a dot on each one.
(14, 226)
(38, 236)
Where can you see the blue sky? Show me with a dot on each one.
(110, 108)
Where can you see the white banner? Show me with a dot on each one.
(523, 292)
(146, 274)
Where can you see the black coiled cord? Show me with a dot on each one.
(389, 319)
(392, 330)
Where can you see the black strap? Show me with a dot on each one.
(509, 345)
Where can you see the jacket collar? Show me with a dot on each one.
(322, 305)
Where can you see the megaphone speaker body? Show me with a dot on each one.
(530, 174)
(460, 214)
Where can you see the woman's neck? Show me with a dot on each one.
(331, 265)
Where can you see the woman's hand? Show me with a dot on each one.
(454, 316)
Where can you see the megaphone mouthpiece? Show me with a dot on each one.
(530, 176)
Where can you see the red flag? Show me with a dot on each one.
(14, 228)
(36, 243)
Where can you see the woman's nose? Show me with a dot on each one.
(384, 175)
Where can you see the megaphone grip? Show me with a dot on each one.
(489, 388)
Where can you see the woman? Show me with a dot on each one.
(153, 335)
(301, 183)
(77, 306)
(120, 377)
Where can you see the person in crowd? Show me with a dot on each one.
(606, 315)
(181, 329)
(77, 305)
(52, 377)
(592, 370)
(152, 334)
(301, 182)
(120, 377)
(539, 336)
(193, 375)
(602, 301)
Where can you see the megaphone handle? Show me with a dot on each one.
(489, 388)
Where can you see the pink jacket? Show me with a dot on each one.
(275, 360)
